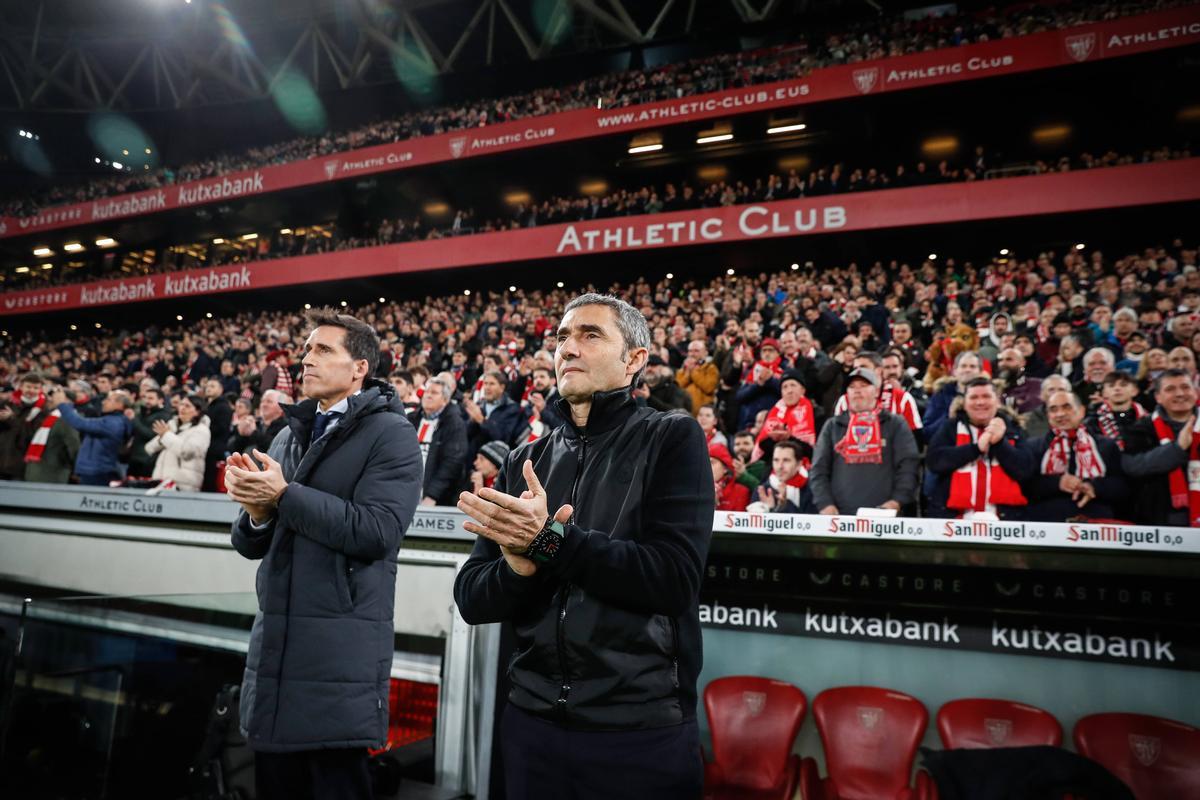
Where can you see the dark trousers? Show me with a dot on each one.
(98, 480)
(313, 775)
(542, 760)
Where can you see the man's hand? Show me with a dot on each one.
(1085, 494)
(642, 391)
(473, 410)
(258, 491)
(246, 426)
(689, 364)
(537, 401)
(739, 466)
(1185, 433)
(1069, 484)
(428, 501)
(891, 504)
(511, 522)
(829, 510)
(159, 427)
(995, 430)
(130, 413)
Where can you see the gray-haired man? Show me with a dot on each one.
(592, 544)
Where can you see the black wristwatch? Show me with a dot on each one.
(546, 544)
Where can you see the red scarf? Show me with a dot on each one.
(863, 442)
(774, 367)
(1185, 493)
(1107, 419)
(982, 484)
(797, 419)
(1088, 463)
(37, 446)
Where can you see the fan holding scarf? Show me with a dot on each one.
(1078, 475)
(979, 461)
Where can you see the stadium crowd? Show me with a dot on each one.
(1052, 386)
(819, 181)
(877, 38)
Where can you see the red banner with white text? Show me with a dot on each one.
(1126, 36)
(1113, 187)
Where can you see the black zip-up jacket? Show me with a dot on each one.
(608, 633)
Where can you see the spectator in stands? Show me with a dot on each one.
(978, 458)
(893, 397)
(1037, 422)
(252, 433)
(20, 420)
(230, 384)
(749, 470)
(784, 490)
(865, 458)
(1097, 364)
(1114, 415)
(488, 463)
(731, 494)
(698, 376)
(181, 446)
(707, 417)
(220, 419)
(1160, 452)
(498, 418)
(149, 409)
(760, 392)
(402, 382)
(967, 366)
(103, 437)
(792, 417)
(542, 406)
(660, 391)
(276, 374)
(1070, 357)
(1077, 475)
(51, 455)
(442, 437)
(1135, 348)
(1022, 392)
(1035, 367)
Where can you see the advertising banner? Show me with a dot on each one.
(1045, 50)
(1113, 187)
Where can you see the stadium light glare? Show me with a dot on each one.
(97, 326)
(716, 137)
(799, 126)
(284, 231)
(179, 317)
(248, 236)
(344, 304)
(795, 267)
(106, 241)
(670, 275)
(645, 148)
(307, 306)
(118, 165)
(466, 292)
(512, 288)
(218, 240)
(1003, 251)
(47, 265)
(73, 247)
(147, 151)
(729, 271)
(74, 327)
(124, 152)
(933, 256)
(560, 284)
(42, 251)
(1080, 246)
(383, 299)
(21, 270)
(97, 159)
(208, 315)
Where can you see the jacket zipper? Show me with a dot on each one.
(565, 592)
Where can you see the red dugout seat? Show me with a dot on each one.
(870, 736)
(1159, 759)
(981, 723)
(754, 722)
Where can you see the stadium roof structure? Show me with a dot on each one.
(150, 55)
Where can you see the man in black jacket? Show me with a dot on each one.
(442, 437)
(1075, 474)
(326, 514)
(1160, 450)
(151, 409)
(592, 545)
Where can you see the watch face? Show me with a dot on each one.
(550, 546)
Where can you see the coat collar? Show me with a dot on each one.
(609, 410)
